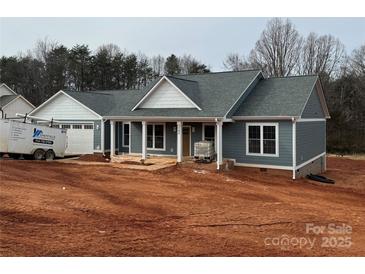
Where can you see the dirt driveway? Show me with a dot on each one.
(57, 209)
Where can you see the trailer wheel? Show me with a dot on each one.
(50, 155)
(38, 154)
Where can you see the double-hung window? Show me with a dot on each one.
(262, 139)
(156, 136)
(126, 134)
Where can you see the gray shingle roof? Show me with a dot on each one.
(103, 102)
(190, 88)
(6, 99)
(214, 93)
(278, 97)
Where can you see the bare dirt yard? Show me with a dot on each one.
(59, 209)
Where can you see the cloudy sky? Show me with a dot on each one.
(208, 39)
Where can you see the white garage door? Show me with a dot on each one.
(80, 138)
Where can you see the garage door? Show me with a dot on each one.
(80, 138)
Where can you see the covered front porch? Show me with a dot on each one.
(163, 137)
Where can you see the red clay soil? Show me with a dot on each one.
(58, 209)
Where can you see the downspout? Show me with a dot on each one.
(294, 146)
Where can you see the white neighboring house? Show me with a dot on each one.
(12, 103)
(83, 125)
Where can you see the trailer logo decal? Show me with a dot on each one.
(40, 138)
(37, 133)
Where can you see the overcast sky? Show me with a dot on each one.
(208, 39)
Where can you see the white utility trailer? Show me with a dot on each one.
(31, 140)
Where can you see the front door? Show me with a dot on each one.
(186, 140)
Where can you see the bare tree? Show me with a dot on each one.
(186, 61)
(189, 64)
(235, 62)
(157, 63)
(144, 70)
(112, 50)
(322, 55)
(357, 61)
(277, 52)
(43, 48)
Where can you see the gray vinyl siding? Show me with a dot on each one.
(311, 140)
(97, 135)
(234, 145)
(196, 134)
(171, 138)
(170, 142)
(120, 139)
(313, 108)
(136, 138)
(107, 135)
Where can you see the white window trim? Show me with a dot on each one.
(261, 125)
(153, 137)
(129, 135)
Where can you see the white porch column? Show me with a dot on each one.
(294, 147)
(219, 144)
(112, 138)
(102, 132)
(144, 140)
(179, 141)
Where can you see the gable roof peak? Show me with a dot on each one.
(6, 86)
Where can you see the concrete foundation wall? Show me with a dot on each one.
(315, 167)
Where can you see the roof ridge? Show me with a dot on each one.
(83, 92)
(170, 76)
(217, 72)
(293, 76)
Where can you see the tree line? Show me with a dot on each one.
(51, 66)
(280, 51)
